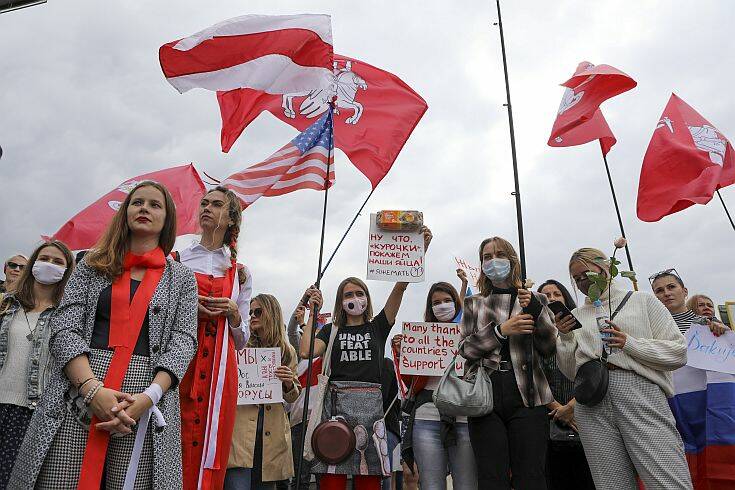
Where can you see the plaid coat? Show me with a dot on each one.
(481, 346)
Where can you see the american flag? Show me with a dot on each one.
(301, 164)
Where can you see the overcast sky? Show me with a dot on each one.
(84, 106)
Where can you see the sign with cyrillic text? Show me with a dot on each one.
(705, 351)
(256, 379)
(395, 256)
(427, 349)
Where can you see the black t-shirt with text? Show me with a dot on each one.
(357, 354)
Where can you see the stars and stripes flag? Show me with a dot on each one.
(301, 164)
(277, 54)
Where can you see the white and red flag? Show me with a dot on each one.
(687, 160)
(589, 87)
(594, 129)
(85, 228)
(301, 164)
(277, 54)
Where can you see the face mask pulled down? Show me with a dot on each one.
(496, 269)
(47, 273)
(444, 312)
(355, 306)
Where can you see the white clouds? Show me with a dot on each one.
(84, 106)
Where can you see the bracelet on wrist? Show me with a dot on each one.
(93, 392)
(81, 385)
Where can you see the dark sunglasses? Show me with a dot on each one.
(256, 312)
(13, 266)
(667, 272)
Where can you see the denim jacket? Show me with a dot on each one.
(40, 359)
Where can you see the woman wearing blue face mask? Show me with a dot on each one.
(24, 339)
(507, 330)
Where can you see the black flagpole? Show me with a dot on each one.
(357, 215)
(529, 354)
(314, 315)
(620, 220)
(726, 211)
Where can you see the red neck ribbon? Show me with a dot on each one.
(126, 321)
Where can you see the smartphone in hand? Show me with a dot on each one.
(559, 307)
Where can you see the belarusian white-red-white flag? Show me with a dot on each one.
(278, 54)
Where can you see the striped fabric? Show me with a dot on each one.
(277, 54)
(684, 320)
(301, 164)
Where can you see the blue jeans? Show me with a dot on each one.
(433, 459)
(240, 479)
(392, 443)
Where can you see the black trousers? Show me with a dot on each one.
(568, 468)
(510, 442)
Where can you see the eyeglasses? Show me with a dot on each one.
(667, 272)
(13, 266)
(256, 312)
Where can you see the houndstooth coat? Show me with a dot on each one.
(172, 336)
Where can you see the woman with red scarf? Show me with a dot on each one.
(209, 388)
(122, 337)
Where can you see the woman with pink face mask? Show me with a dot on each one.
(356, 361)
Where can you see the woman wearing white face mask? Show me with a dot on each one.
(437, 441)
(357, 356)
(500, 326)
(24, 338)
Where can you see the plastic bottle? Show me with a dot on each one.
(601, 316)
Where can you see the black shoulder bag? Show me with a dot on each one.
(590, 383)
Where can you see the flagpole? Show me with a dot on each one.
(312, 336)
(357, 215)
(726, 211)
(620, 219)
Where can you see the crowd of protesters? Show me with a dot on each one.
(118, 370)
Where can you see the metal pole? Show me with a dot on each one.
(310, 361)
(347, 231)
(726, 211)
(620, 220)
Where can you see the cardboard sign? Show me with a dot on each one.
(256, 379)
(395, 256)
(705, 351)
(428, 348)
(473, 272)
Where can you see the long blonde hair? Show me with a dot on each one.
(483, 282)
(589, 257)
(339, 315)
(272, 331)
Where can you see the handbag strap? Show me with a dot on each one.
(385, 414)
(327, 359)
(612, 317)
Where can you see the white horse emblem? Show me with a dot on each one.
(706, 138)
(126, 188)
(344, 86)
(569, 100)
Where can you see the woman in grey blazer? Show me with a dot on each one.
(117, 362)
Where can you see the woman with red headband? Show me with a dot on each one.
(122, 337)
(209, 388)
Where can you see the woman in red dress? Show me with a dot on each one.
(209, 389)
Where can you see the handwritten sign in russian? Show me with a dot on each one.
(705, 351)
(256, 380)
(473, 272)
(395, 256)
(428, 348)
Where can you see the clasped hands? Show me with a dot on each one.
(119, 411)
(214, 307)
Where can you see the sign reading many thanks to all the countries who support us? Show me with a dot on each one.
(705, 351)
(256, 379)
(427, 349)
(395, 256)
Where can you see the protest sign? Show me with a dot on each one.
(472, 271)
(705, 351)
(256, 380)
(395, 256)
(428, 348)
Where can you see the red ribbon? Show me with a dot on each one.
(126, 321)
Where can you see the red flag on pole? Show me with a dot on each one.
(590, 86)
(687, 160)
(594, 129)
(375, 113)
(186, 188)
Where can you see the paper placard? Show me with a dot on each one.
(473, 272)
(256, 379)
(705, 351)
(395, 256)
(428, 348)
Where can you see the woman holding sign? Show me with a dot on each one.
(357, 342)
(123, 336)
(261, 442)
(497, 326)
(209, 388)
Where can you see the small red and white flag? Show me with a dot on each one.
(277, 54)
(590, 86)
(687, 160)
(301, 164)
(594, 129)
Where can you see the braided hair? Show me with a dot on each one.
(234, 213)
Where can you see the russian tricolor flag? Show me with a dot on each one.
(704, 408)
